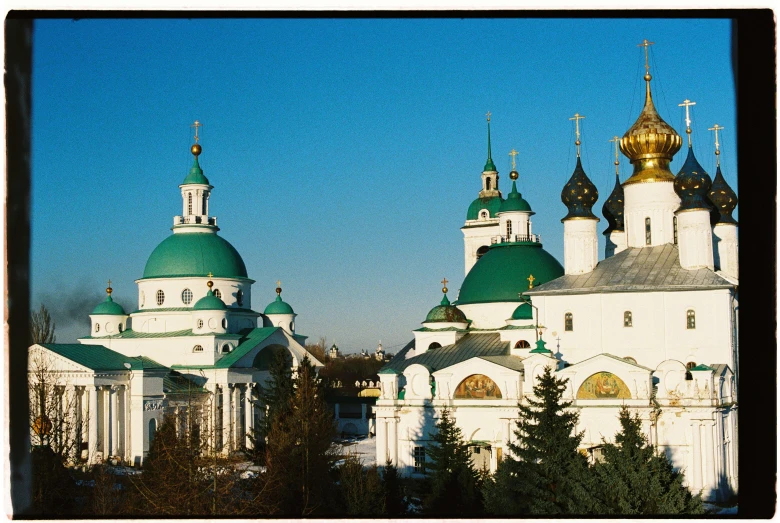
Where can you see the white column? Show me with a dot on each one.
(114, 393)
(237, 415)
(392, 439)
(710, 460)
(126, 454)
(93, 422)
(696, 450)
(694, 235)
(248, 417)
(226, 418)
(726, 252)
(381, 441)
(508, 434)
(580, 245)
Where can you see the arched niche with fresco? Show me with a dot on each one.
(603, 385)
(477, 387)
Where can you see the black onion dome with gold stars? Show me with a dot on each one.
(613, 208)
(579, 194)
(724, 200)
(692, 184)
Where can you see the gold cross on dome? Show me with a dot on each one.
(577, 117)
(531, 281)
(617, 161)
(278, 283)
(196, 125)
(716, 128)
(488, 116)
(444, 282)
(109, 281)
(646, 45)
(687, 103)
(513, 153)
(210, 275)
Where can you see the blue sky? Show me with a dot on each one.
(344, 152)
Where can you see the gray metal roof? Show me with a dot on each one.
(636, 270)
(471, 345)
(510, 362)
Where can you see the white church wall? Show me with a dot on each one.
(173, 289)
(477, 233)
(488, 315)
(656, 201)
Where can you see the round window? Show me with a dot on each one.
(218, 293)
(109, 327)
(200, 324)
(186, 296)
(97, 327)
(197, 348)
(160, 297)
(240, 298)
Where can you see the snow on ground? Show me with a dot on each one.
(711, 508)
(362, 447)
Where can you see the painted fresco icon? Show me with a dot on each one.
(603, 385)
(478, 386)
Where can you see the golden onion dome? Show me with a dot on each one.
(650, 144)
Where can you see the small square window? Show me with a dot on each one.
(628, 320)
(691, 316)
(568, 322)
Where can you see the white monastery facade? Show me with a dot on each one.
(652, 326)
(194, 347)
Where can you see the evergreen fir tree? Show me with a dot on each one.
(547, 475)
(300, 453)
(633, 479)
(275, 395)
(361, 489)
(453, 485)
(394, 499)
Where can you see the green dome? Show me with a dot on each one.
(514, 201)
(210, 303)
(503, 271)
(278, 307)
(523, 312)
(491, 203)
(195, 175)
(195, 254)
(446, 313)
(109, 307)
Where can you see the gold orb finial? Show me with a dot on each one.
(210, 283)
(196, 149)
(109, 289)
(513, 175)
(278, 287)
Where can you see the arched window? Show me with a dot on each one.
(218, 293)
(487, 183)
(160, 297)
(628, 319)
(434, 345)
(630, 359)
(674, 226)
(120, 328)
(152, 430)
(224, 323)
(197, 348)
(508, 229)
(189, 203)
(691, 315)
(688, 367)
(200, 324)
(226, 348)
(482, 250)
(568, 322)
(240, 298)
(522, 344)
(648, 238)
(483, 215)
(203, 211)
(97, 327)
(186, 296)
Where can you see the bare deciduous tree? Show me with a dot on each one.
(41, 326)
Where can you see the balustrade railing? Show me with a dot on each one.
(197, 220)
(535, 238)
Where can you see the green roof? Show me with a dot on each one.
(702, 366)
(278, 307)
(491, 203)
(514, 201)
(446, 313)
(210, 303)
(471, 345)
(109, 307)
(195, 176)
(195, 254)
(503, 272)
(250, 338)
(540, 348)
(523, 311)
(136, 334)
(99, 358)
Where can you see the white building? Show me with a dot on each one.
(194, 346)
(653, 326)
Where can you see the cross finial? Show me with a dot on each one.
(513, 153)
(646, 45)
(577, 117)
(687, 103)
(196, 125)
(109, 289)
(716, 128)
(531, 281)
(488, 116)
(444, 282)
(617, 161)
